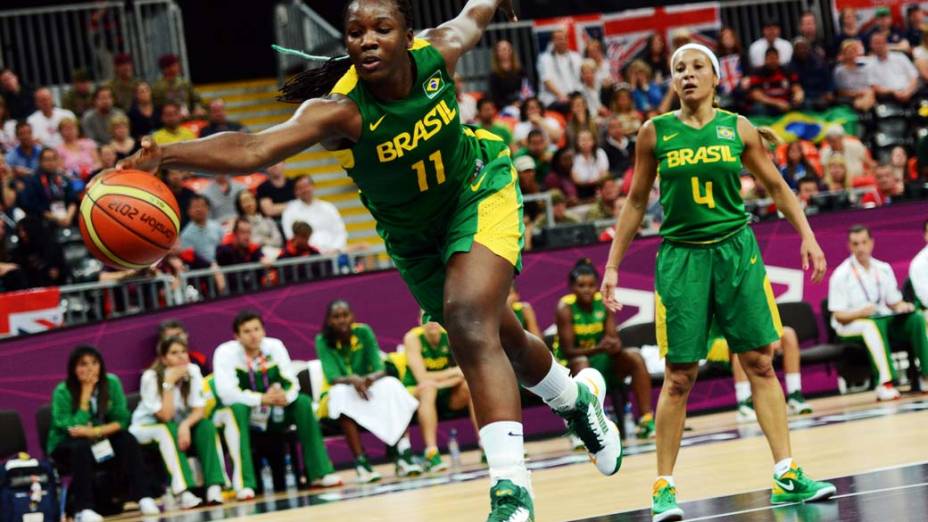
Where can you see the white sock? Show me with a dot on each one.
(557, 389)
(782, 467)
(403, 444)
(743, 391)
(668, 478)
(502, 442)
(793, 382)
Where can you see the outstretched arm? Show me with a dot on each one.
(460, 34)
(756, 160)
(316, 120)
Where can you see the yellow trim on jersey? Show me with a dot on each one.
(660, 324)
(709, 242)
(323, 411)
(498, 221)
(419, 43)
(347, 82)
(772, 304)
(483, 134)
(345, 158)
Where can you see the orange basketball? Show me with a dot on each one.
(129, 219)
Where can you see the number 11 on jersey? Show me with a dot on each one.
(698, 197)
(419, 167)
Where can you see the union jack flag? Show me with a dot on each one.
(731, 73)
(30, 311)
(866, 11)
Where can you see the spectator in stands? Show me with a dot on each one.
(921, 153)
(218, 121)
(856, 156)
(506, 75)
(90, 405)
(850, 30)
(918, 276)
(144, 116)
(622, 107)
(222, 193)
(47, 193)
(920, 57)
(914, 20)
(19, 98)
(170, 415)
(899, 163)
(78, 155)
(171, 87)
(329, 233)
(657, 56)
(24, 158)
(79, 98)
(299, 245)
(774, 88)
(184, 259)
(467, 104)
(108, 159)
(7, 129)
(883, 24)
(836, 177)
(618, 147)
(562, 214)
(272, 403)
(528, 184)
(201, 234)
(591, 165)
(852, 79)
(360, 393)
(264, 230)
(123, 143)
(11, 276)
(96, 121)
(174, 179)
(892, 75)
(733, 82)
(37, 254)
(605, 205)
(814, 75)
(647, 93)
(770, 40)
(9, 188)
(889, 188)
(172, 131)
(486, 120)
(796, 166)
(808, 29)
(537, 148)
(806, 188)
(45, 119)
(437, 382)
(580, 119)
(124, 82)
(559, 177)
(274, 193)
(591, 89)
(558, 72)
(866, 305)
(533, 117)
(239, 249)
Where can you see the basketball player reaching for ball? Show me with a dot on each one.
(709, 265)
(447, 205)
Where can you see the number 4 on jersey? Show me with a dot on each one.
(419, 167)
(698, 197)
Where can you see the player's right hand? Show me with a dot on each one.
(607, 289)
(147, 158)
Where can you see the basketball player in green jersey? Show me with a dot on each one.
(587, 338)
(447, 205)
(524, 311)
(709, 265)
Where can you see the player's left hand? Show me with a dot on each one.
(812, 256)
(607, 289)
(507, 9)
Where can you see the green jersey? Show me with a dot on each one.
(700, 178)
(413, 156)
(361, 356)
(436, 358)
(519, 309)
(589, 325)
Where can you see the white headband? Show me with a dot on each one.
(701, 48)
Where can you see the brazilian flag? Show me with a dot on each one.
(808, 125)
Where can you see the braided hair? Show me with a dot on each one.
(317, 82)
(583, 267)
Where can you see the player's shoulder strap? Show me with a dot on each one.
(568, 299)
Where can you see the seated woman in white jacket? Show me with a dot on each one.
(171, 415)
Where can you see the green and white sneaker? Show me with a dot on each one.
(406, 465)
(366, 473)
(588, 421)
(434, 463)
(510, 503)
(645, 427)
(797, 404)
(795, 486)
(746, 411)
(664, 502)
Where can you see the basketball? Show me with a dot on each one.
(129, 219)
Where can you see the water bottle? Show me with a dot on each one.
(629, 421)
(267, 479)
(290, 477)
(454, 450)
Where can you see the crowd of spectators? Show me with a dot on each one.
(49, 152)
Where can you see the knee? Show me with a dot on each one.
(758, 365)
(678, 383)
(240, 412)
(426, 391)
(469, 328)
